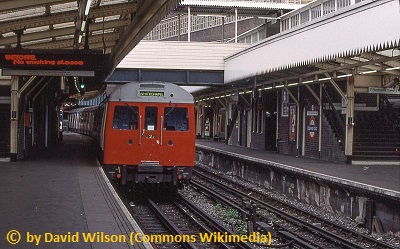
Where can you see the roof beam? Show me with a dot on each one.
(62, 32)
(67, 16)
(8, 5)
(67, 43)
(272, 79)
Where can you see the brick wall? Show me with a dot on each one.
(331, 149)
(258, 141)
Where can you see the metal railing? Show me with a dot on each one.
(390, 113)
(334, 118)
(312, 11)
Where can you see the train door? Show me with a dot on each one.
(122, 134)
(150, 138)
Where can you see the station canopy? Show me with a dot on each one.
(110, 28)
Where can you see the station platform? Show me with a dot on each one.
(381, 179)
(62, 194)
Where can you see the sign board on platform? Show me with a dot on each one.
(382, 90)
(50, 62)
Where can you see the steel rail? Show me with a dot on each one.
(329, 235)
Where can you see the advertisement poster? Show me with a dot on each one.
(292, 123)
(285, 103)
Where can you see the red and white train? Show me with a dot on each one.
(145, 132)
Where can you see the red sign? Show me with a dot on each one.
(51, 59)
(312, 128)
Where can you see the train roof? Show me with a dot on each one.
(151, 92)
(81, 109)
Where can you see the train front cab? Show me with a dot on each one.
(148, 143)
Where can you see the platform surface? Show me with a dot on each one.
(60, 191)
(383, 179)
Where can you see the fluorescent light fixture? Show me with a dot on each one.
(308, 81)
(344, 75)
(83, 26)
(327, 78)
(250, 91)
(266, 88)
(279, 86)
(393, 68)
(80, 39)
(367, 72)
(241, 93)
(218, 97)
(293, 84)
(87, 7)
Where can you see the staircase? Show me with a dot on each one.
(376, 139)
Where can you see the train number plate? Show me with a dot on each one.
(151, 136)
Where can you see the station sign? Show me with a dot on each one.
(382, 90)
(50, 60)
(312, 127)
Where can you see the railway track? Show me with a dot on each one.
(179, 223)
(305, 229)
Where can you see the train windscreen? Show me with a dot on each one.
(176, 119)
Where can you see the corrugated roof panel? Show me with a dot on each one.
(180, 55)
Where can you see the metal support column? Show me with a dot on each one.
(179, 27)
(320, 120)
(189, 23)
(223, 29)
(236, 25)
(14, 117)
(349, 117)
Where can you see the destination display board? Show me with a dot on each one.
(23, 59)
(151, 94)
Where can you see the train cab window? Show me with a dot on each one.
(176, 119)
(125, 118)
(151, 114)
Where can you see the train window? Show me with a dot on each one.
(176, 119)
(151, 114)
(125, 118)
